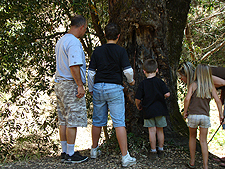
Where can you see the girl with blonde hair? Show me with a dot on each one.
(186, 72)
(200, 92)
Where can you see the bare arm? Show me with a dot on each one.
(138, 104)
(218, 102)
(75, 71)
(187, 99)
(218, 82)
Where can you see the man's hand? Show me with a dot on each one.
(81, 92)
(75, 71)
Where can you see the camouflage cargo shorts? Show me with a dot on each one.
(71, 109)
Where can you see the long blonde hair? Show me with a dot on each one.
(187, 69)
(203, 78)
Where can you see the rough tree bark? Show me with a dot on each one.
(152, 29)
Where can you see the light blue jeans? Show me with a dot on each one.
(108, 95)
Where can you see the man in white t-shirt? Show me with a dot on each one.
(70, 78)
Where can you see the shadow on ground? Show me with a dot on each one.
(175, 158)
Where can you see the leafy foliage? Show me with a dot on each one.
(29, 31)
(206, 24)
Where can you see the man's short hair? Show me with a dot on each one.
(78, 20)
(112, 31)
(150, 65)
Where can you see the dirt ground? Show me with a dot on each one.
(176, 161)
(175, 158)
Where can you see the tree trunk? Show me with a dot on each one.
(152, 29)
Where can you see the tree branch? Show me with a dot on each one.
(214, 42)
(213, 50)
(207, 18)
(190, 42)
(96, 22)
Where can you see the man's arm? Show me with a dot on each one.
(75, 71)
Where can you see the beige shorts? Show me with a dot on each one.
(71, 109)
(195, 120)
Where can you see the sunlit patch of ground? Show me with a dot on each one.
(217, 145)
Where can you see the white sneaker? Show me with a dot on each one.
(95, 152)
(127, 160)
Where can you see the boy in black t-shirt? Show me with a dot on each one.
(152, 93)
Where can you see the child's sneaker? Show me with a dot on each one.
(63, 156)
(75, 158)
(127, 160)
(95, 152)
(160, 153)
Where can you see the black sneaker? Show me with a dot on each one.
(63, 156)
(160, 153)
(153, 155)
(75, 158)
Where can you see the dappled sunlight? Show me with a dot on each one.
(217, 145)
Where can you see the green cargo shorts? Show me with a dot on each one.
(159, 121)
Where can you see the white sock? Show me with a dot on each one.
(64, 146)
(70, 149)
(153, 150)
(126, 154)
(160, 148)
